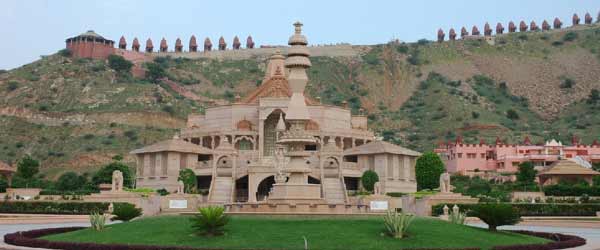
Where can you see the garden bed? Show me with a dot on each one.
(259, 232)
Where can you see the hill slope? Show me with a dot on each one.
(77, 113)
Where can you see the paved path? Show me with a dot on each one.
(588, 230)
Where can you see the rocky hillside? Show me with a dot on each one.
(78, 113)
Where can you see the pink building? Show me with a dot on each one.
(500, 157)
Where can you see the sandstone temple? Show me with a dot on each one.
(277, 146)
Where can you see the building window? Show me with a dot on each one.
(459, 155)
(482, 155)
(244, 144)
(471, 155)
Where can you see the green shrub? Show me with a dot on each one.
(65, 52)
(594, 97)
(457, 218)
(41, 207)
(188, 177)
(154, 72)
(512, 114)
(12, 85)
(162, 192)
(570, 36)
(368, 180)
(571, 190)
(97, 221)
(496, 214)
(104, 175)
(70, 181)
(396, 224)
(395, 194)
(537, 209)
(567, 83)
(119, 63)
(428, 169)
(125, 212)
(211, 221)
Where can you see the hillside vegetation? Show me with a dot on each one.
(78, 113)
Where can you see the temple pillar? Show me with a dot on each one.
(212, 142)
(261, 134)
(252, 186)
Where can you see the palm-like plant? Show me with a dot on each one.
(211, 221)
(97, 221)
(396, 224)
(457, 218)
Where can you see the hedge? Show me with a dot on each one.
(538, 209)
(30, 239)
(571, 190)
(43, 207)
(58, 192)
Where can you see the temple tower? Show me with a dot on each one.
(222, 44)
(452, 34)
(163, 45)
(557, 23)
(545, 26)
(533, 26)
(178, 46)
(122, 43)
(249, 43)
(236, 43)
(475, 31)
(295, 138)
(499, 28)
(512, 27)
(588, 18)
(149, 46)
(193, 45)
(523, 26)
(463, 32)
(135, 46)
(440, 35)
(576, 20)
(487, 30)
(207, 44)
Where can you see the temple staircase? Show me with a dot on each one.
(333, 190)
(221, 190)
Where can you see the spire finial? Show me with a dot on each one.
(298, 26)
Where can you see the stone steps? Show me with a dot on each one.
(221, 191)
(334, 192)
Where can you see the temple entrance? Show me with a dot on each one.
(241, 189)
(265, 186)
(352, 183)
(203, 182)
(270, 133)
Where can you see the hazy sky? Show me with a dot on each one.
(30, 28)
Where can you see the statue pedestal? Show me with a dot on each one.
(293, 193)
(422, 206)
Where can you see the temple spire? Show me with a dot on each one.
(297, 62)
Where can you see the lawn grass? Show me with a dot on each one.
(287, 232)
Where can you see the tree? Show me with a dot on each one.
(594, 97)
(496, 214)
(189, 180)
(526, 172)
(104, 175)
(428, 169)
(27, 168)
(119, 63)
(70, 181)
(154, 72)
(368, 180)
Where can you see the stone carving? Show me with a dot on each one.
(440, 35)
(576, 19)
(377, 188)
(117, 181)
(455, 209)
(178, 46)
(122, 43)
(207, 44)
(149, 46)
(180, 187)
(111, 208)
(588, 18)
(445, 183)
(475, 31)
(545, 26)
(463, 32)
(163, 45)
(557, 23)
(523, 26)
(533, 26)
(236, 43)
(446, 210)
(499, 28)
(487, 30)
(222, 44)
(249, 43)
(452, 35)
(193, 45)
(135, 46)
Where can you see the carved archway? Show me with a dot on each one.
(264, 188)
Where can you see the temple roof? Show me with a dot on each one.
(6, 168)
(567, 167)
(173, 145)
(380, 147)
(276, 86)
(91, 33)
